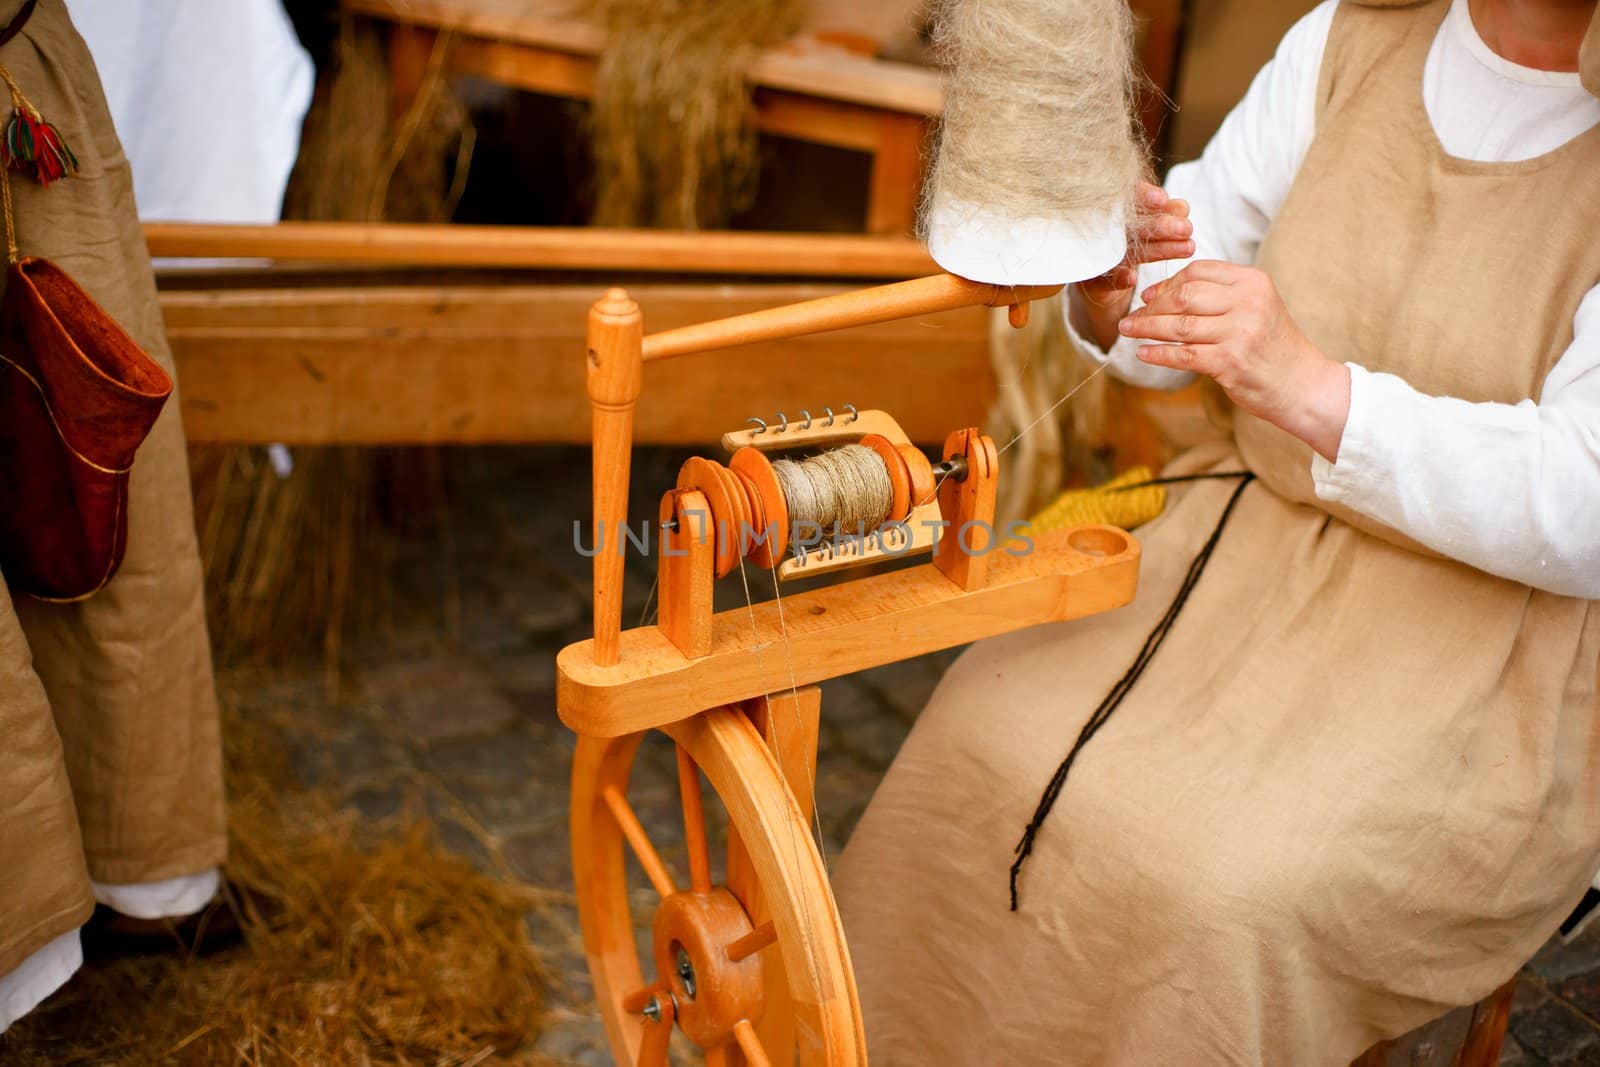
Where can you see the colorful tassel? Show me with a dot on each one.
(35, 147)
(31, 145)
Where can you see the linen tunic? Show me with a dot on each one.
(110, 757)
(1359, 783)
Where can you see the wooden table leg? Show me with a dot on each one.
(1467, 1037)
(897, 169)
(1160, 38)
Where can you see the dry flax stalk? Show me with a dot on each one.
(293, 564)
(374, 946)
(671, 121)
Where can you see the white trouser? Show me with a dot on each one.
(48, 969)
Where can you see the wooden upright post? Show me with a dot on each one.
(616, 338)
(968, 506)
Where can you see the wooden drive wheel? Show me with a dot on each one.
(753, 970)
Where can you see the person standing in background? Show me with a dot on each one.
(110, 770)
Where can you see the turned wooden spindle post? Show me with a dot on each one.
(616, 338)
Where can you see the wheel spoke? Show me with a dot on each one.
(634, 1002)
(750, 1044)
(694, 823)
(633, 830)
(657, 1034)
(753, 942)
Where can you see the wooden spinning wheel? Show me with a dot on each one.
(753, 968)
(769, 932)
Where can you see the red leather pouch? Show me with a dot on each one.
(77, 398)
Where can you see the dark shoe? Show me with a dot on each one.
(1581, 916)
(213, 928)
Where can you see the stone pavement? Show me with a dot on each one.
(451, 711)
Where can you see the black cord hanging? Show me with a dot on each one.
(18, 21)
(1126, 683)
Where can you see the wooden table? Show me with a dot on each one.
(354, 333)
(808, 90)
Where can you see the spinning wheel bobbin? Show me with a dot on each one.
(747, 497)
(730, 510)
(899, 475)
(758, 511)
(923, 484)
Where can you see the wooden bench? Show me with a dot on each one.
(327, 346)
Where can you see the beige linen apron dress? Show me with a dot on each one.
(110, 763)
(1359, 784)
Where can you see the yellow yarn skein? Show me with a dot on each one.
(1108, 505)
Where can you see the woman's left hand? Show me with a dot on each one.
(1229, 323)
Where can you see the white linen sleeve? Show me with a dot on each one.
(1237, 185)
(1512, 489)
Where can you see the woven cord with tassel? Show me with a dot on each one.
(31, 145)
(12, 252)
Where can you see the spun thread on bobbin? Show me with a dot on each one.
(844, 491)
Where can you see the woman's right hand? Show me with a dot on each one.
(1161, 231)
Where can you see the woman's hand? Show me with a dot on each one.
(1161, 230)
(1229, 323)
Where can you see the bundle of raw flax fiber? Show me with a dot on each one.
(362, 945)
(1038, 123)
(671, 126)
(294, 560)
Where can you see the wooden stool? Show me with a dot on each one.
(1466, 1037)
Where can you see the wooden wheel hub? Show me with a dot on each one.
(693, 933)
